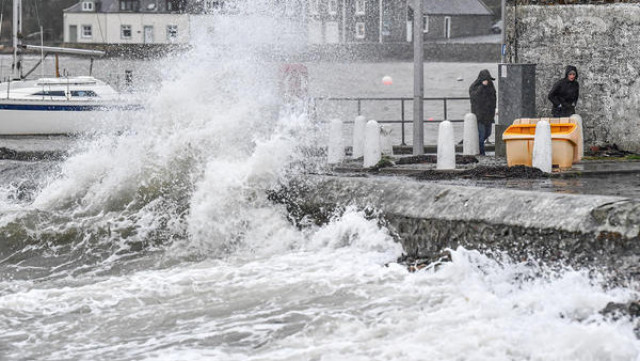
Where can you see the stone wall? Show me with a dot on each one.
(433, 52)
(602, 41)
(427, 218)
(355, 52)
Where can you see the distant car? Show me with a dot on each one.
(497, 27)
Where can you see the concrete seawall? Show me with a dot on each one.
(453, 51)
(576, 230)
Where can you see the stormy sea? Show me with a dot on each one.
(159, 241)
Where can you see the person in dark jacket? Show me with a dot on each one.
(483, 104)
(564, 94)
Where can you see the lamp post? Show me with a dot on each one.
(503, 48)
(418, 79)
(17, 40)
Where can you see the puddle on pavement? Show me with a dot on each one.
(622, 185)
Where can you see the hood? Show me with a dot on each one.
(568, 69)
(485, 75)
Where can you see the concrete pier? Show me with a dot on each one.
(578, 230)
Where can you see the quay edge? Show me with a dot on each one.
(427, 218)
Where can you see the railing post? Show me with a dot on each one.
(359, 107)
(402, 120)
(445, 108)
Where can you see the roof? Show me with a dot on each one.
(112, 6)
(454, 7)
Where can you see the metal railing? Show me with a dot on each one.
(446, 102)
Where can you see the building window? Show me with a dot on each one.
(125, 31)
(447, 27)
(148, 34)
(175, 5)
(129, 5)
(86, 31)
(172, 32)
(211, 6)
(313, 7)
(425, 24)
(360, 31)
(289, 9)
(332, 7)
(360, 7)
(87, 6)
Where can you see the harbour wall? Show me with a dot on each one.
(601, 40)
(471, 52)
(567, 229)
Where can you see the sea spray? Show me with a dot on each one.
(334, 299)
(159, 243)
(194, 166)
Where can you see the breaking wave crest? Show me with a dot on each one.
(189, 174)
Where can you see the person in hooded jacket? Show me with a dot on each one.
(482, 93)
(564, 94)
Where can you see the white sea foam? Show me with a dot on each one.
(331, 305)
(191, 174)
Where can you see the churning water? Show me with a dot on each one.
(159, 243)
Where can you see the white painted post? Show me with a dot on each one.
(358, 136)
(335, 153)
(446, 146)
(470, 139)
(385, 140)
(542, 148)
(580, 149)
(372, 151)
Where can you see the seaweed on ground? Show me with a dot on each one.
(606, 151)
(480, 172)
(10, 154)
(429, 158)
(569, 2)
(384, 162)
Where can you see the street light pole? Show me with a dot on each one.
(418, 79)
(503, 48)
(17, 39)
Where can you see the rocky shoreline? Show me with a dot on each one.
(31, 155)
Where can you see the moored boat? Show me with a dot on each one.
(55, 105)
(63, 105)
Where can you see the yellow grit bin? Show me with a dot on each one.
(565, 137)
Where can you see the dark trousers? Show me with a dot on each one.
(563, 112)
(484, 131)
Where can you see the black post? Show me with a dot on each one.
(516, 98)
(445, 108)
(402, 120)
(128, 78)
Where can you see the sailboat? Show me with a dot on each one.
(54, 105)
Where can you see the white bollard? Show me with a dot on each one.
(470, 139)
(542, 148)
(335, 153)
(358, 136)
(446, 146)
(372, 150)
(385, 140)
(580, 149)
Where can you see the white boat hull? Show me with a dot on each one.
(60, 105)
(50, 106)
(57, 117)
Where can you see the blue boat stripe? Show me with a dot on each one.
(69, 108)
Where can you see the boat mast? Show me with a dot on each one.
(16, 68)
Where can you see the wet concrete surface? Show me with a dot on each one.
(611, 177)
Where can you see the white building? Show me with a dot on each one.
(170, 21)
(318, 21)
(127, 22)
